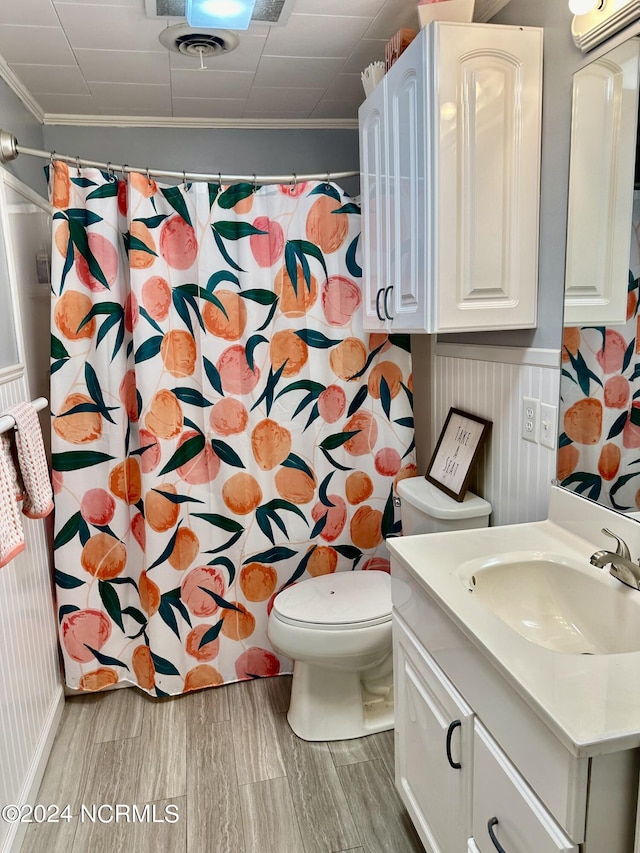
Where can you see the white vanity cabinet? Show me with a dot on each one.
(518, 788)
(450, 172)
(434, 744)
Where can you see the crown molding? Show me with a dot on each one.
(592, 29)
(167, 121)
(18, 88)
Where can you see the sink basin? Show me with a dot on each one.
(557, 603)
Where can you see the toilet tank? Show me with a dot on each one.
(425, 509)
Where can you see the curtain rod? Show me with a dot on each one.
(10, 149)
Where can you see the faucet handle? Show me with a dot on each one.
(621, 549)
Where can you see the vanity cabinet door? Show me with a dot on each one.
(374, 204)
(507, 815)
(434, 730)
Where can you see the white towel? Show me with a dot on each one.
(32, 461)
(11, 533)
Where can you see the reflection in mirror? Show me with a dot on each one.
(599, 443)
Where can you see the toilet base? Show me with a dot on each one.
(329, 704)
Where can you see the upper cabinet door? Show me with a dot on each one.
(601, 181)
(409, 196)
(373, 184)
(450, 162)
(487, 91)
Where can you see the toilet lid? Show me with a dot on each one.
(339, 600)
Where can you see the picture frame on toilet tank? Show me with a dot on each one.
(456, 452)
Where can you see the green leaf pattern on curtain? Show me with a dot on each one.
(222, 427)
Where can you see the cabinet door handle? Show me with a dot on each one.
(386, 302)
(452, 727)
(494, 822)
(378, 311)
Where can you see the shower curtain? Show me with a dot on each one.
(222, 428)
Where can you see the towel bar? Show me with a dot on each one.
(7, 422)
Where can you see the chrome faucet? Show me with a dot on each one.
(622, 566)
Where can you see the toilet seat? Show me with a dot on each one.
(337, 601)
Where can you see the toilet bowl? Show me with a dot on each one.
(337, 630)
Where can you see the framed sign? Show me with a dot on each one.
(456, 452)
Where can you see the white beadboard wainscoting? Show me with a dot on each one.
(31, 691)
(514, 475)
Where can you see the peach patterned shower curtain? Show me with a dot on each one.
(222, 428)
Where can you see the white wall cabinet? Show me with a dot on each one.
(517, 789)
(450, 172)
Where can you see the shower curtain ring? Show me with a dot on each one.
(328, 181)
(255, 188)
(295, 180)
(51, 158)
(184, 180)
(148, 176)
(109, 172)
(219, 181)
(77, 165)
(125, 174)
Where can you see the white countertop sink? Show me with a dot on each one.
(563, 633)
(555, 601)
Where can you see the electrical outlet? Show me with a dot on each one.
(548, 425)
(530, 418)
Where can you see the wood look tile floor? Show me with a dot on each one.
(226, 762)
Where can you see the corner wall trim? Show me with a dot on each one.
(504, 355)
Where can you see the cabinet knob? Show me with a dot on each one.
(494, 822)
(387, 292)
(378, 311)
(452, 727)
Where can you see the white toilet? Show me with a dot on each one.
(337, 629)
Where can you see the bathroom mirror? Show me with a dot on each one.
(599, 424)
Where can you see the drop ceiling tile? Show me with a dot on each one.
(282, 100)
(357, 8)
(208, 107)
(335, 109)
(244, 58)
(100, 27)
(366, 52)
(298, 72)
(134, 3)
(71, 104)
(28, 11)
(316, 35)
(111, 111)
(283, 114)
(46, 44)
(53, 79)
(346, 87)
(130, 97)
(210, 84)
(393, 16)
(123, 66)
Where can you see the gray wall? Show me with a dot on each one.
(561, 59)
(231, 151)
(15, 118)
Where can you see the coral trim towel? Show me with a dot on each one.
(32, 460)
(11, 533)
(35, 490)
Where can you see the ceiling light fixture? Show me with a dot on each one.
(582, 7)
(231, 14)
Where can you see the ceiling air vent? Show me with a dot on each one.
(190, 41)
(272, 12)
